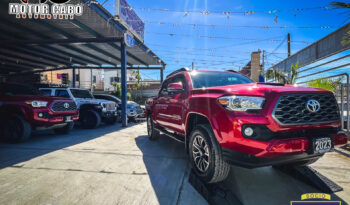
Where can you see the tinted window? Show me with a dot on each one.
(13, 89)
(81, 93)
(46, 92)
(213, 79)
(62, 93)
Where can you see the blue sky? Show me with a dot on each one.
(180, 51)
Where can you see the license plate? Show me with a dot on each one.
(322, 145)
(69, 119)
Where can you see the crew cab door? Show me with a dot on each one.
(170, 105)
(176, 103)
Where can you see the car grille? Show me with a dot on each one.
(61, 106)
(291, 109)
(110, 106)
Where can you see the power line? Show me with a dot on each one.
(227, 12)
(175, 24)
(225, 38)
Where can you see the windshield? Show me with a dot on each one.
(12, 89)
(213, 79)
(81, 93)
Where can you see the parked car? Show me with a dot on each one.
(224, 118)
(133, 110)
(23, 109)
(92, 111)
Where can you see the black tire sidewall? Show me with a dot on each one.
(206, 176)
(91, 119)
(24, 132)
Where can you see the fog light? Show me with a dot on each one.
(40, 115)
(248, 131)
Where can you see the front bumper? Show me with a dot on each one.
(109, 114)
(251, 161)
(47, 118)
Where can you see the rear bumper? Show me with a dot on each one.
(251, 161)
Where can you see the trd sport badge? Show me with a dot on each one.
(315, 199)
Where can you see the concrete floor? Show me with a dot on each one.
(111, 165)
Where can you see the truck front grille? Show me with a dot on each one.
(291, 109)
(64, 106)
(110, 106)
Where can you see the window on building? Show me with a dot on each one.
(94, 79)
(64, 77)
(114, 80)
(77, 77)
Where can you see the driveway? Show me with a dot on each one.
(114, 165)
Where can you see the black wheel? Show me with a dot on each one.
(111, 120)
(16, 129)
(206, 155)
(153, 134)
(64, 130)
(297, 164)
(91, 119)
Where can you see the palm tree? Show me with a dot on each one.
(281, 77)
(328, 84)
(343, 5)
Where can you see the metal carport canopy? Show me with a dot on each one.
(94, 39)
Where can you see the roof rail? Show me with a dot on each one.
(178, 71)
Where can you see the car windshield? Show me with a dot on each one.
(12, 89)
(213, 79)
(81, 93)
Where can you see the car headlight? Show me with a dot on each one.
(37, 103)
(242, 103)
(103, 105)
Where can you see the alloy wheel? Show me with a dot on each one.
(200, 151)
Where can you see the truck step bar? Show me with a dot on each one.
(174, 136)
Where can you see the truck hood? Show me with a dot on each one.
(258, 89)
(92, 101)
(34, 97)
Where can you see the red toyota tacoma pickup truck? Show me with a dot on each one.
(23, 109)
(225, 118)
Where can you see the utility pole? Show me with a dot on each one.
(288, 42)
(192, 65)
(263, 62)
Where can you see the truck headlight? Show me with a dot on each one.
(242, 103)
(37, 103)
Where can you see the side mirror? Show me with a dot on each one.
(175, 87)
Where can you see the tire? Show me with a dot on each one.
(16, 129)
(153, 134)
(111, 120)
(91, 119)
(297, 164)
(209, 165)
(64, 130)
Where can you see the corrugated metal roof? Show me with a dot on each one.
(95, 22)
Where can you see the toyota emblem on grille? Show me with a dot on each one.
(313, 105)
(66, 105)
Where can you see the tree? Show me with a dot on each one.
(281, 77)
(343, 5)
(326, 84)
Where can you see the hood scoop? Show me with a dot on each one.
(273, 84)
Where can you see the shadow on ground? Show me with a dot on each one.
(43, 142)
(166, 164)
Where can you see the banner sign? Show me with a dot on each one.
(53, 9)
(131, 19)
